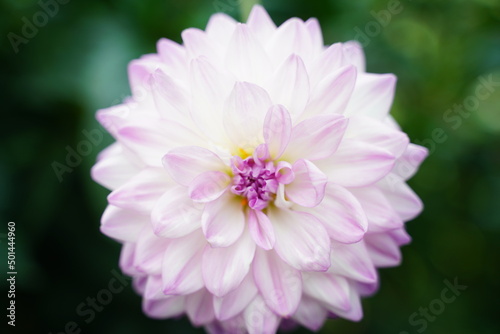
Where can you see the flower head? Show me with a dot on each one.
(256, 176)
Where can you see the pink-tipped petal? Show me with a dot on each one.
(333, 93)
(208, 186)
(316, 138)
(353, 261)
(279, 282)
(308, 186)
(225, 268)
(244, 114)
(123, 225)
(290, 85)
(329, 61)
(277, 130)
(341, 214)
(357, 164)
(186, 163)
(236, 301)
(372, 96)
(181, 265)
(301, 240)
(261, 229)
(246, 57)
(164, 308)
(223, 221)
(142, 191)
(199, 308)
(175, 215)
(260, 23)
(259, 319)
(310, 314)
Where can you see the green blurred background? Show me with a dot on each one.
(76, 64)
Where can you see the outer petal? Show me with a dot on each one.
(142, 191)
(278, 282)
(314, 29)
(221, 27)
(377, 133)
(199, 308)
(261, 229)
(353, 54)
(357, 164)
(164, 308)
(244, 114)
(331, 290)
(381, 215)
(181, 265)
(175, 215)
(172, 100)
(290, 85)
(291, 37)
(353, 261)
(173, 56)
(261, 23)
(225, 268)
(223, 221)
(383, 249)
(316, 138)
(124, 225)
(401, 197)
(186, 163)
(113, 168)
(329, 61)
(148, 253)
(198, 43)
(333, 93)
(310, 314)
(277, 130)
(235, 301)
(246, 57)
(259, 319)
(407, 165)
(341, 214)
(301, 240)
(372, 96)
(308, 186)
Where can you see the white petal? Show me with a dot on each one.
(380, 213)
(244, 115)
(353, 261)
(341, 214)
(164, 308)
(223, 221)
(199, 308)
(329, 61)
(124, 225)
(353, 54)
(175, 215)
(372, 96)
(277, 130)
(149, 251)
(113, 168)
(278, 282)
(291, 37)
(308, 186)
(261, 229)
(331, 290)
(208, 186)
(333, 93)
(225, 268)
(310, 314)
(235, 301)
(221, 27)
(316, 138)
(246, 57)
(185, 163)
(261, 23)
(377, 133)
(401, 197)
(142, 191)
(383, 250)
(174, 57)
(290, 85)
(181, 265)
(357, 164)
(301, 240)
(259, 319)
(408, 164)
(198, 43)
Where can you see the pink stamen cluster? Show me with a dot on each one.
(254, 179)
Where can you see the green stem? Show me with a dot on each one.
(246, 7)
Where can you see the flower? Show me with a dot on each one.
(257, 178)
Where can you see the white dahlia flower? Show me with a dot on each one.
(256, 177)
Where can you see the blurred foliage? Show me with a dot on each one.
(76, 63)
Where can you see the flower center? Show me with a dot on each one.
(255, 180)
